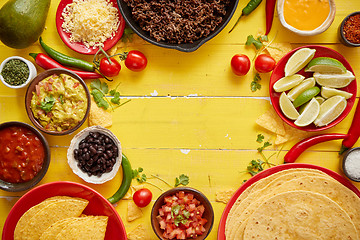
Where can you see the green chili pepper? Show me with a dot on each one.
(66, 60)
(126, 182)
(251, 6)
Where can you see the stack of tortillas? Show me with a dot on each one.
(297, 203)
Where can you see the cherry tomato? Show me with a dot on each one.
(109, 69)
(264, 63)
(135, 61)
(240, 64)
(142, 197)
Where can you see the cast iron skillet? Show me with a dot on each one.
(185, 47)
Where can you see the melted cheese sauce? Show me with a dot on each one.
(306, 15)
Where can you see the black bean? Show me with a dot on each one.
(92, 149)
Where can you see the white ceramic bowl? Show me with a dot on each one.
(324, 26)
(74, 144)
(32, 72)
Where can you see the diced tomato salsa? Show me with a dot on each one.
(21, 154)
(181, 216)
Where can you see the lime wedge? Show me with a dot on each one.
(296, 91)
(325, 65)
(330, 110)
(287, 107)
(306, 96)
(327, 92)
(286, 83)
(334, 80)
(309, 114)
(299, 60)
(320, 99)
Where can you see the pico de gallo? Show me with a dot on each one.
(181, 216)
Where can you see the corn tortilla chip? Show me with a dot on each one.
(138, 233)
(279, 50)
(271, 122)
(134, 212)
(99, 116)
(49, 213)
(224, 195)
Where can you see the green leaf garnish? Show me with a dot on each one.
(48, 103)
(182, 180)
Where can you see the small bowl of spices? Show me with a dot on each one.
(17, 72)
(349, 30)
(95, 154)
(351, 164)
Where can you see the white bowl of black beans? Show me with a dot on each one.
(94, 155)
(17, 72)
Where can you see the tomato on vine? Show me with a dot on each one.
(109, 67)
(135, 61)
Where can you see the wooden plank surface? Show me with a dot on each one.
(188, 112)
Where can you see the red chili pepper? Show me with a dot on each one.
(353, 133)
(270, 8)
(301, 146)
(48, 63)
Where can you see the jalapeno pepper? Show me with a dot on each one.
(66, 60)
(249, 8)
(126, 182)
(48, 63)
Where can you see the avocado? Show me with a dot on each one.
(22, 22)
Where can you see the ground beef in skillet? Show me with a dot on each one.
(178, 21)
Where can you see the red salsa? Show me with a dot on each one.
(21, 154)
(181, 216)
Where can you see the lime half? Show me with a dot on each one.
(299, 60)
(309, 114)
(334, 80)
(287, 107)
(325, 65)
(330, 110)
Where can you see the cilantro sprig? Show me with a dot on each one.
(258, 165)
(255, 85)
(179, 214)
(48, 103)
(182, 180)
(100, 92)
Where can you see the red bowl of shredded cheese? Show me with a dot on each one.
(85, 25)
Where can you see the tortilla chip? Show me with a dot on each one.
(138, 233)
(99, 116)
(84, 228)
(224, 195)
(278, 50)
(290, 134)
(47, 214)
(271, 122)
(134, 212)
(51, 232)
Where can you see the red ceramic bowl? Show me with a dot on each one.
(208, 214)
(78, 46)
(270, 171)
(98, 205)
(278, 73)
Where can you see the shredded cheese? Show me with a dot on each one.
(91, 22)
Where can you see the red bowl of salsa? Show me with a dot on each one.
(182, 213)
(24, 156)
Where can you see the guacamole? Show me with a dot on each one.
(59, 102)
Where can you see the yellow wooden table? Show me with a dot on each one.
(189, 113)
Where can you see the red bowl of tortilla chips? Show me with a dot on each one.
(97, 206)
